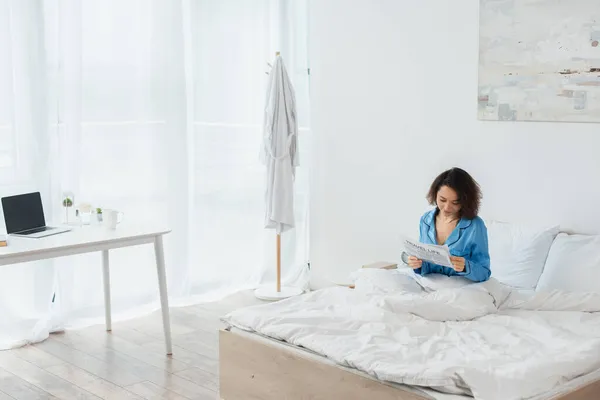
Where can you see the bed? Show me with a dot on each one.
(255, 367)
(399, 336)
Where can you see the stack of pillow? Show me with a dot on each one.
(526, 257)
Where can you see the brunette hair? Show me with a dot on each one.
(467, 189)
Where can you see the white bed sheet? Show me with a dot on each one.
(478, 339)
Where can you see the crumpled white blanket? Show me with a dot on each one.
(482, 339)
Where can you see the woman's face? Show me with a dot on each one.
(447, 201)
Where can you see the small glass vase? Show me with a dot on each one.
(68, 203)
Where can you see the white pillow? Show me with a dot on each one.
(573, 264)
(518, 252)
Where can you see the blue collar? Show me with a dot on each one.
(429, 220)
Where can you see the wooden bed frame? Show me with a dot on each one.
(254, 369)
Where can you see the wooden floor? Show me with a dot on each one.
(129, 363)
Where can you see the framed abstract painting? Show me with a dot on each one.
(539, 60)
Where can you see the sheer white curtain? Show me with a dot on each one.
(26, 290)
(153, 108)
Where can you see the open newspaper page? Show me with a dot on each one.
(434, 254)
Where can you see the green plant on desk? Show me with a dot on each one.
(67, 202)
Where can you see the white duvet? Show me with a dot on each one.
(481, 339)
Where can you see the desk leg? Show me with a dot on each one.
(106, 279)
(162, 287)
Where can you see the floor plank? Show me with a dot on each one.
(127, 363)
(120, 375)
(192, 342)
(192, 359)
(91, 383)
(20, 389)
(125, 371)
(42, 379)
(37, 357)
(151, 391)
(101, 344)
(201, 377)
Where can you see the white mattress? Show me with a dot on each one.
(480, 339)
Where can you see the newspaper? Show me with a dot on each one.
(434, 254)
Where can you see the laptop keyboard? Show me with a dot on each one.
(37, 230)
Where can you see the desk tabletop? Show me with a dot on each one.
(80, 237)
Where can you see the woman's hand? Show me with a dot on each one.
(458, 263)
(414, 262)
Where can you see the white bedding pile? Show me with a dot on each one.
(482, 339)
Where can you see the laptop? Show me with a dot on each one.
(24, 216)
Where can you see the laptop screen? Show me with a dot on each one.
(23, 212)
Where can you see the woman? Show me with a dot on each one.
(454, 222)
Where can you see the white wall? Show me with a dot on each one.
(393, 92)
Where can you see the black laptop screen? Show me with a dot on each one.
(23, 212)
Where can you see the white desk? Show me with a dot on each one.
(87, 239)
